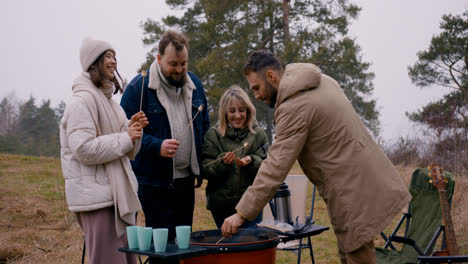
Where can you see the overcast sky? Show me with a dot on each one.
(39, 50)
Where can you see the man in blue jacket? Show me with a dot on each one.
(169, 159)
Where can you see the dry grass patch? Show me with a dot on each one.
(460, 212)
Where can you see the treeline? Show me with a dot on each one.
(223, 33)
(30, 128)
(444, 122)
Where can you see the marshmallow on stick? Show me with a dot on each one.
(246, 144)
(200, 108)
(143, 75)
(217, 242)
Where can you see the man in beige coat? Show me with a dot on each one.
(317, 125)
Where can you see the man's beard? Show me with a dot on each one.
(273, 95)
(273, 101)
(171, 80)
(175, 83)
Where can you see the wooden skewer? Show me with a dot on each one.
(245, 145)
(200, 108)
(143, 74)
(217, 242)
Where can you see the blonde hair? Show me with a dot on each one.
(235, 92)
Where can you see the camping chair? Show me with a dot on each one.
(423, 222)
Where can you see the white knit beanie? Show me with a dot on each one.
(90, 50)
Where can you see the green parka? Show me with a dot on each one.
(227, 182)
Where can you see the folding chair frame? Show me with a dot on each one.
(403, 239)
(309, 243)
(405, 217)
(412, 243)
(444, 259)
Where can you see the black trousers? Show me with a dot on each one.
(168, 207)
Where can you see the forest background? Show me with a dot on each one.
(223, 33)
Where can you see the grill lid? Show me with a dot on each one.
(242, 237)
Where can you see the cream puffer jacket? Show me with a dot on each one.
(83, 153)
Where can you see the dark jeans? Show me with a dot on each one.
(219, 217)
(168, 208)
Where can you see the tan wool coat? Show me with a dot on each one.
(317, 125)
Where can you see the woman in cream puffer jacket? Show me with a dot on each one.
(97, 143)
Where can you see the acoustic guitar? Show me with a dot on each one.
(440, 183)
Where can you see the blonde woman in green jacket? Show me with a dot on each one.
(238, 163)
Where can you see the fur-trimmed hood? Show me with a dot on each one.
(297, 77)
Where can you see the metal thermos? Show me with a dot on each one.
(280, 205)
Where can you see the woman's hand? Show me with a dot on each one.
(229, 158)
(135, 131)
(244, 161)
(139, 117)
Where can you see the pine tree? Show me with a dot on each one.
(445, 64)
(223, 33)
(7, 116)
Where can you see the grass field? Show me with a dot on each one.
(36, 226)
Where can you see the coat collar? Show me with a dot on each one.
(155, 83)
(296, 78)
(239, 133)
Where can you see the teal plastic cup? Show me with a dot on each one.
(132, 236)
(183, 236)
(144, 237)
(160, 239)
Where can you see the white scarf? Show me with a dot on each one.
(109, 119)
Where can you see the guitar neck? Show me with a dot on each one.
(448, 226)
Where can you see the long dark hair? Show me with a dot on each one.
(96, 73)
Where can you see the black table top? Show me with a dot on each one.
(312, 230)
(174, 253)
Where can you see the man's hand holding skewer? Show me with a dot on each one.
(231, 224)
(169, 148)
